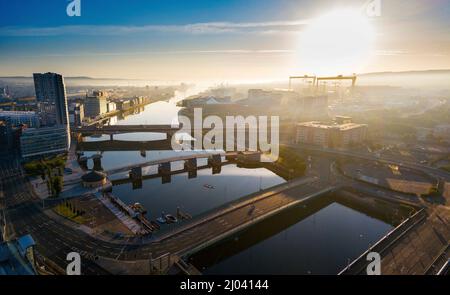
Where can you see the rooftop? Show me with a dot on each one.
(13, 259)
(16, 113)
(330, 125)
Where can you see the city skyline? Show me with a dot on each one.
(258, 40)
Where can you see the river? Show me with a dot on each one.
(301, 241)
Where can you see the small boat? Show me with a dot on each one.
(170, 218)
(208, 186)
(138, 207)
(161, 220)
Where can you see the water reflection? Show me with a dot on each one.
(196, 195)
(136, 136)
(320, 237)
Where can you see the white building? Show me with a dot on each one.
(330, 135)
(95, 105)
(111, 106)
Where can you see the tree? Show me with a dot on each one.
(57, 185)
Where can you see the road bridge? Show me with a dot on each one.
(192, 173)
(183, 157)
(435, 172)
(419, 245)
(118, 129)
(123, 145)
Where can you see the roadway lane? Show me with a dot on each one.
(431, 170)
(55, 240)
(24, 216)
(183, 242)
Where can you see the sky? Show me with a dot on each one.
(223, 40)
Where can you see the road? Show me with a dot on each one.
(423, 247)
(432, 171)
(195, 237)
(324, 167)
(24, 215)
(55, 240)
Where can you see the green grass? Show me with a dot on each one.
(66, 212)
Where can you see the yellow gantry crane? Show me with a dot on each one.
(316, 80)
(305, 77)
(340, 77)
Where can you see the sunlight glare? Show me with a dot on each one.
(338, 42)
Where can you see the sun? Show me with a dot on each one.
(338, 42)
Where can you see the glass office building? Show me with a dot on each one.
(15, 118)
(44, 141)
(50, 87)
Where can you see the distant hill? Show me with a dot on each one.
(406, 73)
(69, 77)
(73, 81)
(438, 79)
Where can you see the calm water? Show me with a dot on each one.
(191, 195)
(322, 243)
(320, 238)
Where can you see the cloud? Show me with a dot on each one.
(195, 28)
(391, 52)
(407, 53)
(167, 52)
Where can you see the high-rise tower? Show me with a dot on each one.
(50, 88)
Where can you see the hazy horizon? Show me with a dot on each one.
(223, 41)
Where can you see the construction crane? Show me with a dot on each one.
(337, 79)
(322, 81)
(305, 77)
(340, 77)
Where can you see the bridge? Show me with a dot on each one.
(184, 157)
(239, 216)
(168, 129)
(167, 177)
(118, 129)
(222, 222)
(124, 145)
